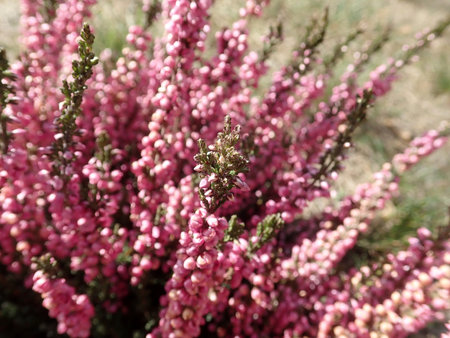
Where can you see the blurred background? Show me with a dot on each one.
(419, 101)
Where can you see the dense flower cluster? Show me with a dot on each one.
(73, 311)
(127, 196)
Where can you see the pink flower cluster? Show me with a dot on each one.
(157, 213)
(188, 290)
(73, 311)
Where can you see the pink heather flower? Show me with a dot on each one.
(113, 205)
(73, 312)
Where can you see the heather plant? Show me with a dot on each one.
(162, 193)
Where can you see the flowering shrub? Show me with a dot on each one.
(159, 195)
